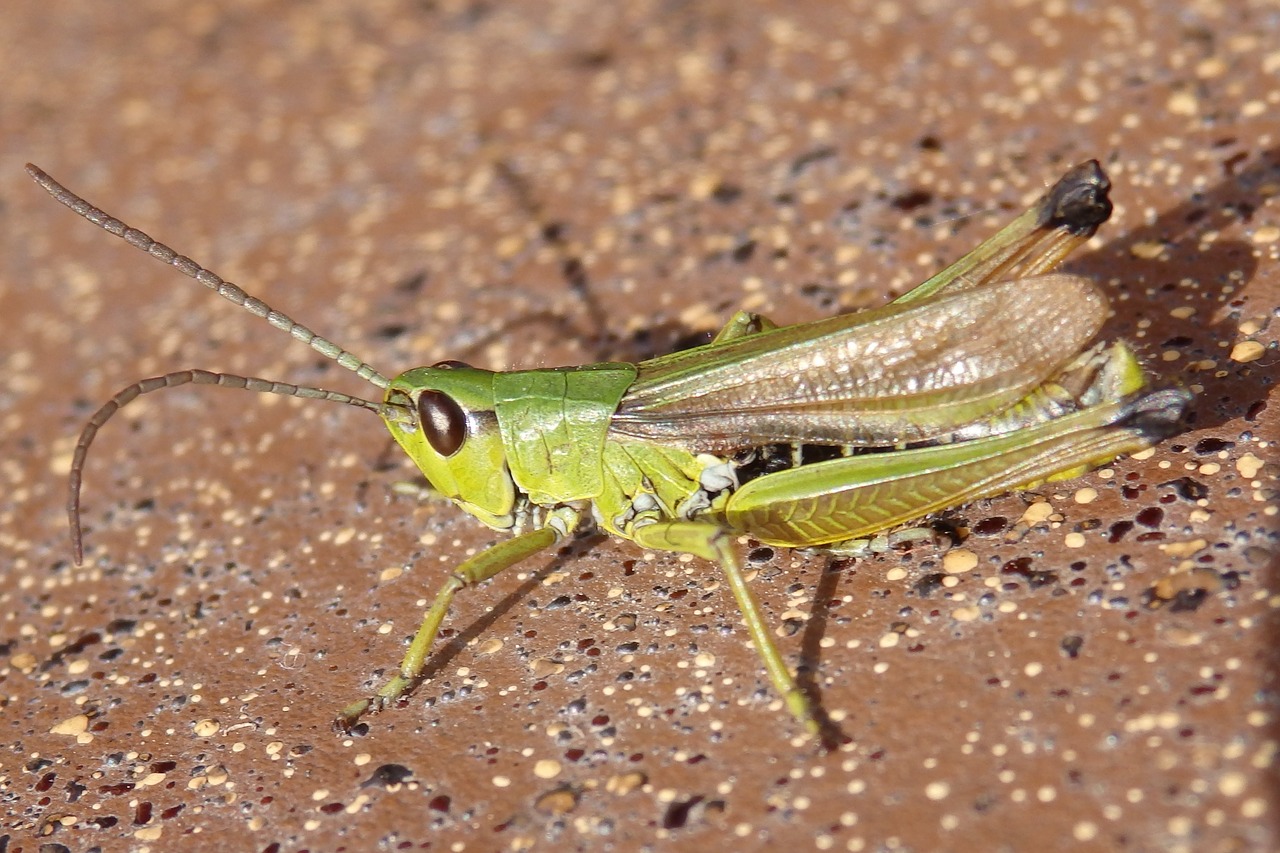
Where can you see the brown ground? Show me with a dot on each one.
(435, 180)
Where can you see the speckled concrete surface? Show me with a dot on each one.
(527, 184)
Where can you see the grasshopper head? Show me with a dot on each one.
(443, 416)
(455, 442)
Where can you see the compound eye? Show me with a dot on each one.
(451, 364)
(443, 422)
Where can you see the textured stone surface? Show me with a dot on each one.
(422, 181)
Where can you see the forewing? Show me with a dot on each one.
(898, 374)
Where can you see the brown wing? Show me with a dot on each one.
(902, 373)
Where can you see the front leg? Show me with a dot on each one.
(714, 543)
(742, 324)
(480, 567)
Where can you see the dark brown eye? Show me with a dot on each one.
(451, 364)
(443, 422)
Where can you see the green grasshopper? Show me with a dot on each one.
(979, 381)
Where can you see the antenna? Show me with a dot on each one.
(209, 279)
(389, 411)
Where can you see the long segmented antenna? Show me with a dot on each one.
(192, 377)
(389, 411)
(211, 280)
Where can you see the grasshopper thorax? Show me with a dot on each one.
(456, 442)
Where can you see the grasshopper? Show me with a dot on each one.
(979, 381)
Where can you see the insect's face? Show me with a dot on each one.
(455, 442)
